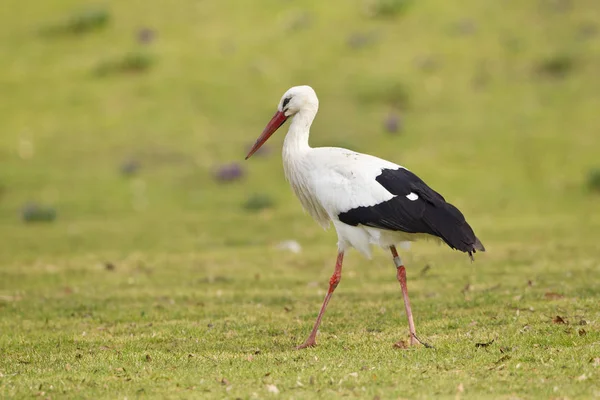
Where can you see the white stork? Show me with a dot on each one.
(369, 200)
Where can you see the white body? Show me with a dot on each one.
(331, 180)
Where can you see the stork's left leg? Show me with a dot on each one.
(401, 276)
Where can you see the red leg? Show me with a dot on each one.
(401, 275)
(333, 282)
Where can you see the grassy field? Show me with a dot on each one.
(164, 283)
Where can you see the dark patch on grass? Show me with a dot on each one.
(387, 8)
(79, 23)
(593, 180)
(258, 201)
(228, 173)
(393, 123)
(146, 35)
(559, 320)
(557, 66)
(132, 62)
(38, 213)
(129, 167)
(485, 344)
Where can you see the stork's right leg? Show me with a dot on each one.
(401, 276)
(333, 282)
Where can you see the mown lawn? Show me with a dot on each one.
(162, 282)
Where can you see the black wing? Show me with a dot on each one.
(429, 213)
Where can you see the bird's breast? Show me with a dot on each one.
(298, 174)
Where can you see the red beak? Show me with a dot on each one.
(278, 119)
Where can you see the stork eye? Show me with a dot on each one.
(285, 102)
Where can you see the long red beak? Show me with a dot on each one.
(278, 119)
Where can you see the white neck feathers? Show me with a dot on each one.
(296, 140)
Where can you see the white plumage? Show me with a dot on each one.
(332, 180)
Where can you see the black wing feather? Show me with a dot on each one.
(430, 213)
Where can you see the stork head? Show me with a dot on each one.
(293, 101)
(296, 99)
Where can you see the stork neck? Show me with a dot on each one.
(296, 139)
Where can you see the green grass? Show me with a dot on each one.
(199, 302)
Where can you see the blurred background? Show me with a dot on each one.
(124, 125)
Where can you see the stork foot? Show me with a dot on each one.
(414, 341)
